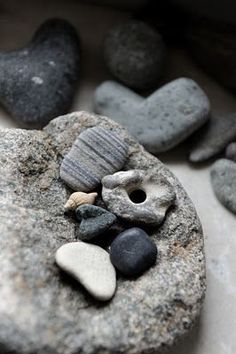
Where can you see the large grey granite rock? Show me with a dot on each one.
(43, 311)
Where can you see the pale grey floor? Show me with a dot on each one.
(217, 326)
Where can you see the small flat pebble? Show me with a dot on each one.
(231, 151)
(160, 121)
(91, 266)
(134, 53)
(96, 153)
(133, 252)
(93, 221)
(223, 179)
(214, 137)
(38, 82)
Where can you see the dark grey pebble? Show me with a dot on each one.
(213, 137)
(93, 221)
(97, 152)
(133, 252)
(134, 53)
(162, 120)
(231, 151)
(223, 179)
(38, 82)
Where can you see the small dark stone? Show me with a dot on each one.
(93, 221)
(133, 252)
(134, 53)
(38, 82)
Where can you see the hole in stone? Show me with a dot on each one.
(137, 196)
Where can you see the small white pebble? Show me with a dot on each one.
(52, 63)
(37, 80)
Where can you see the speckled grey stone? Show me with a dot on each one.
(223, 179)
(38, 82)
(95, 153)
(231, 151)
(41, 310)
(134, 53)
(138, 196)
(162, 120)
(93, 221)
(214, 137)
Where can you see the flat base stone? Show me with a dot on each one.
(44, 311)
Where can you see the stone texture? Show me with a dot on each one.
(138, 196)
(214, 137)
(41, 310)
(93, 221)
(223, 179)
(133, 252)
(38, 82)
(95, 153)
(91, 266)
(231, 151)
(134, 53)
(161, 121)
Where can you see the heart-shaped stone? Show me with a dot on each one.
(93, 221)
(37, 83)
(91, 266)
(162, 120)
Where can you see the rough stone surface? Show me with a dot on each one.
(41, 310)
(223, 179)
(138, 196)
(91, 266)
(160, 121)
(213, 138)
(231, 151)
(95, 153)
(133, 252)
(38, 82)
(93, 221)
(134, 53)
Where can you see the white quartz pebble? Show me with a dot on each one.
(91, 266)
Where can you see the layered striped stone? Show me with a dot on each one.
(97, 152)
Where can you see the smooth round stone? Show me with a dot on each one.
(133, 252)
(223, 179)
(91, 266)
(38, 82)
(94, 154)
(93, 221)
(213, 137)
(231, 151)
(134, 53)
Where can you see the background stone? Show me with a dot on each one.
(41, 310)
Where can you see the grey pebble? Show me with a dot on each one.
(231, 151)
(214, 137)
(223, 179)
(38, 82)
(96, 153)
(93, 221)
(134, 53)
(161, 121)
(138, 196)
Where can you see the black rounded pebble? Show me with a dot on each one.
(38, 82)
(133, 252)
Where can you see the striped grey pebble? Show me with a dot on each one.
(96, 153)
